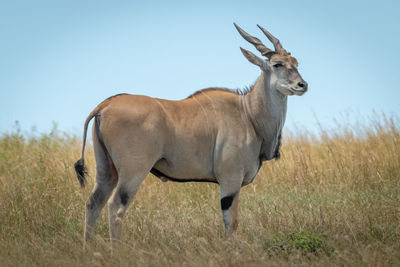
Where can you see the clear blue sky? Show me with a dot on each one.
(59, 59)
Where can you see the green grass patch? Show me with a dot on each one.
(304, 241)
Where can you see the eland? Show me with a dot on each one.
(215, 135)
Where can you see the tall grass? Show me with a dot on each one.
(332, 199)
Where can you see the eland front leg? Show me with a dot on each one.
(230, 190)
(230, 210)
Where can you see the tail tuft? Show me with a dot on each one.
(80, 170)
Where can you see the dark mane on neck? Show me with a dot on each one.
(239, 91)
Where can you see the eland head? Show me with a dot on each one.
(279, 63)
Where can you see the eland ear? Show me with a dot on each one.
(252, 58)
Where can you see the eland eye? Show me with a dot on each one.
(278, 65)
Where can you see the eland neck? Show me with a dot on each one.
(266, 108)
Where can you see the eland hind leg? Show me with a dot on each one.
(106, 180)
(130, 178)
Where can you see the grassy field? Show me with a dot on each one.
(332, 199)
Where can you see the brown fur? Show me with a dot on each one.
(288, 60)
(215, 135)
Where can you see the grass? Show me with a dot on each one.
(332, 199)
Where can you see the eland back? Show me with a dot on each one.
(215, 135)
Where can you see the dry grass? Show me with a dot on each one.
(332, 199)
